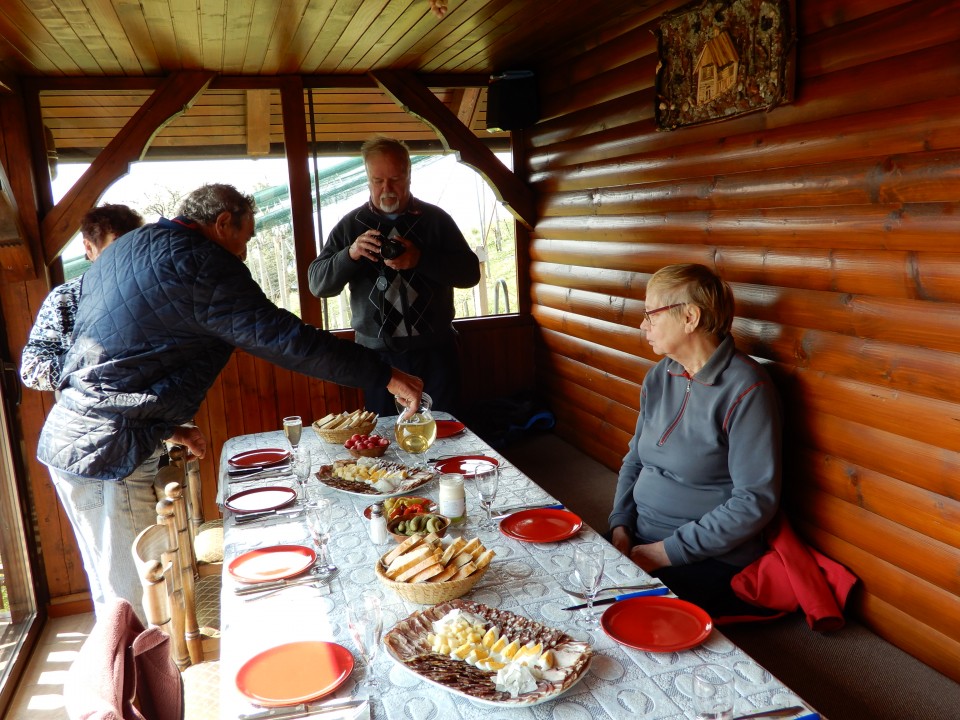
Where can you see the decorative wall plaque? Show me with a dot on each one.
(723, 58)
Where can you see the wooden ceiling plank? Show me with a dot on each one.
(364, 26)
(134, 24)
(103, 15)
(187, 24)
(335, 24)
(298, 22)
(491, 14)
(55, 16)
(476, 40)
(418, 100)
(212, 27)
(158, 16)
(27, 33)
(391, 24)
(171, 98)
(236, 32)
(400, 32)
(90, 37)
(258, 122)
(262, 27)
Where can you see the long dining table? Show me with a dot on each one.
(525, 578)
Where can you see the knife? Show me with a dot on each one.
(300, 711)
(625, 596)
(283, 474)
(254, 516)
(240, 472)
(276, 584)
(773, 712)
(503, 512)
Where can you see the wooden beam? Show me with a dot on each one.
(171, 98)
(19, 254)
(258, 122)
(417, 99)
(301, 198)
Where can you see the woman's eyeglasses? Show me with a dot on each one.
(648, 314)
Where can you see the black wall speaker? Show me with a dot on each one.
(512, 101)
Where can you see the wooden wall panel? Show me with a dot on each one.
(836, 218)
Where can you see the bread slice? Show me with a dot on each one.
(471, 546)
(409, 544)
(453, 548)
(325, 419)
(448, 572)
(428, 573)
(461, 559)
(483, 559)
(423, 564)
(408, 560)
(464, 571)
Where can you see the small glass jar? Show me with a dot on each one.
(453, 500)
(378, 525)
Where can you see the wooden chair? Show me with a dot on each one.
(169, 604)
(201, 592)
(206, 535)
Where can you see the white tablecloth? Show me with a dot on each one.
(525, 578)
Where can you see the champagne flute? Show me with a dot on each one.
(318, 523)
(365, 620)
(418, 431)
(302, 464)
(292, 428)
(486, 479)
(588, 569)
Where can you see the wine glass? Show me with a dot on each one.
(318, 523)
(302, 465)
(365, 620)
(293, 428)
(417, 431)
(588, 569)
(486, 479)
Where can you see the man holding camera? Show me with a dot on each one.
(402, 258)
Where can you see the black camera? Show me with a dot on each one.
(390, 249)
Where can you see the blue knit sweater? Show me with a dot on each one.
(703, 468)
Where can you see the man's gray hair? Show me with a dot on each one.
(387, 146)
(205, 204)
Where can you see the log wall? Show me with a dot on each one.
(836, 219)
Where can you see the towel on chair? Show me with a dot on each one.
(792, 575)
(124, 672)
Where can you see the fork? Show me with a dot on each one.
(641, 586)
(318, 583)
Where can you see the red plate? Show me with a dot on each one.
(260, 499)
(272, 563)
(541, 525)
(463, 464)
(294, 673)
(259, 458)
(656, 624)
(449, 428)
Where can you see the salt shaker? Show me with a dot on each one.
(378, 524)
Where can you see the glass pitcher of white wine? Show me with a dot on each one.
(417, 431)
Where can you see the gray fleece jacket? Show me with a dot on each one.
(703, 468)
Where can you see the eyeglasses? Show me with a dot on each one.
(647, 314)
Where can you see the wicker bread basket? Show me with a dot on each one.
(431, 593)
(341, 435)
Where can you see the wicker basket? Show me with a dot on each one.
(341, 435)
(431, 593)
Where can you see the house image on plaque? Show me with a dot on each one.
(716, 68)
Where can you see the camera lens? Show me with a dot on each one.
(391, 249)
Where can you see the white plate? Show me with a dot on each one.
(519, 701)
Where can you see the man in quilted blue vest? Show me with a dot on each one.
(160, 313)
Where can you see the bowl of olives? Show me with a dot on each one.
(417, 524)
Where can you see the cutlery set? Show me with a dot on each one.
(317, 576)
(655, 590)
(289, 512)
(303, 710)
(505, 512)
(773, 713)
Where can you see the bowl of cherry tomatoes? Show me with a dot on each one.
(366, 445)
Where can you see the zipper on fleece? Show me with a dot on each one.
(676, 420)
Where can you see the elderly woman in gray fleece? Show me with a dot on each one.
(701, 478)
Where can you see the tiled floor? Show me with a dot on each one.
(40, 694)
